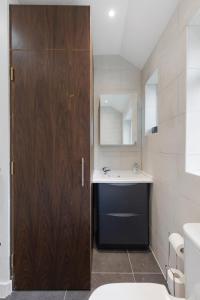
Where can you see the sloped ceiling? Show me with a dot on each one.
(132, 33)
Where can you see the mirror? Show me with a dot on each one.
(118, 119)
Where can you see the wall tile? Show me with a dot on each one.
(175, 194)
(173, 61)
(182, 93)
(113, 74)
(187, 213)
(130, 80)
(186, 11)
(165, 168)
(109, 159)
(152, 142)
(169, 36)
(168, 102)
(127, 160)
(172, 135)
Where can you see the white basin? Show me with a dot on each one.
(118, 176)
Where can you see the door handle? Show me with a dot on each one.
(123, 215)
(122, 184)
(82, 172)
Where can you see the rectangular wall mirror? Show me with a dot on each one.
(118, 119)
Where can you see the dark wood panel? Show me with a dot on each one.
(36, 209)
(50, 106)
(51, 135)
(79, 137)
(50, 27)
(79, 20)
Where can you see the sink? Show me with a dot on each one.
(122, 209)
(121, 174)
(118, 176)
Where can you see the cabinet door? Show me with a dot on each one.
(123, 231)
(122, 215)
(50, 27)
(79, 140)
(117, 198)
(51, 150)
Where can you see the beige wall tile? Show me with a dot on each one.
(168, 102)
(113, 74)
(175, 195)
(182, 93)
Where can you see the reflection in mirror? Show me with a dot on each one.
(118, 119)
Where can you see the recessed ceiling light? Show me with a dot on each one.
(105, 101)
(111, 13)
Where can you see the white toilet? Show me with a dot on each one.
(150, 291)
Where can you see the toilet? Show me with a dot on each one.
(150, 291)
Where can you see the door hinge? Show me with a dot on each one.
(12, 73)
(12, 168)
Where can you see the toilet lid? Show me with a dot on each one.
(131, 291)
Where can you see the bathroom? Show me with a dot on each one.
(93, 185)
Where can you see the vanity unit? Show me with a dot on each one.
(122, 210)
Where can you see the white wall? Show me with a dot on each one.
(4, 154)
(175, 195)
(113, 74)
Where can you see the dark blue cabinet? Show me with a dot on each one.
(122, 215)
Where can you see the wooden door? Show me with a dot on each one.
(50, 137)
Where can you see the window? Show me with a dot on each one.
(151, 103)
(193, 98)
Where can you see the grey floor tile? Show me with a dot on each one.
(151, 278)
(103, 278)
(37, 295)
(78, 295)
(110, 262)
(144, 262)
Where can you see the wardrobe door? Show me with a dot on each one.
(79, 136)
(50, 146)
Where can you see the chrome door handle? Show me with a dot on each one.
(82, 172)
(123, 215)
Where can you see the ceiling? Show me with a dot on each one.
(132, 33)
(118, 102)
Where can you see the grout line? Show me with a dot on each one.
(148, 273)
(154, 255)
(121, 273)
(131, 265)
(129, 273)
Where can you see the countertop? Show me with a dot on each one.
(118, 176)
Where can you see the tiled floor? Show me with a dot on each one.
(108, 267)
(124, 267)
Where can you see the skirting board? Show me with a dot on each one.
(5, 289)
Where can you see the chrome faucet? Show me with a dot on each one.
(106, 170)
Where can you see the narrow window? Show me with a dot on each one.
(151, 104)
(193, 98)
